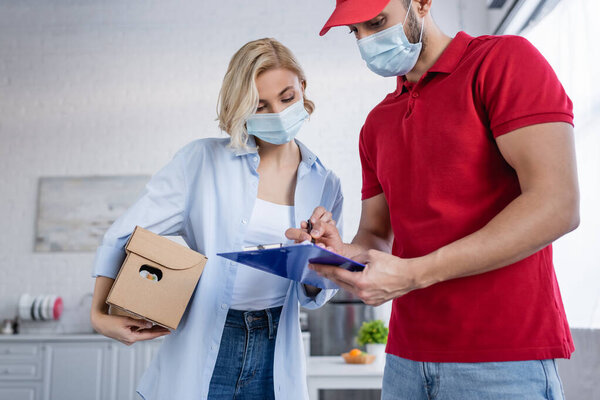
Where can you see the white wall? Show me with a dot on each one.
(116, 87)
(462, 15)
(574, 55)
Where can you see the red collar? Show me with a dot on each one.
(452, 55)
(447, 62)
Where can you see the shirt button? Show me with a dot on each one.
(415, 95)
(224, 306)
(244, 221)
(255, 158)
(212, 347)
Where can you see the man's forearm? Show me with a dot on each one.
(529, 223)
(365, 240)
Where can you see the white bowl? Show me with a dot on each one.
(25, 306)
(45, 307)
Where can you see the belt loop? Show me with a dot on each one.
(270, 319)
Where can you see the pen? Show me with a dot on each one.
(308, 229)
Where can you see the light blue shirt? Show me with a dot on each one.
(206, 195)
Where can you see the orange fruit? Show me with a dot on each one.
(355, 352)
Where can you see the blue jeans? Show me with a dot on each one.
(244, 367)
(518, 380)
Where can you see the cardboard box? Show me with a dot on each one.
(156, 280)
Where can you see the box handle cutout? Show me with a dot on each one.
(150, 273)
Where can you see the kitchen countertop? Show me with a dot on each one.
(53, 337)
(336, 366)
(63, 337)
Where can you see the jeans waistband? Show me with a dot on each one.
(252, 320)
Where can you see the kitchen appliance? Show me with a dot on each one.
(7, 327)
(333, 329)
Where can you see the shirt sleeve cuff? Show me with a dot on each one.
(368, 192)
(529, 120)
(108, 261)
(319, 300)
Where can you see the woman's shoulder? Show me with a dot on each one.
(329, 173)
(205, 147)
(205, 144)
(318, 166)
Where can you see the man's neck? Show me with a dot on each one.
(437, 41)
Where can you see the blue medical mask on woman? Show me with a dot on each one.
(278, 128)
(389, 53)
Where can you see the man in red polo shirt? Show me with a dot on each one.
(468, 176)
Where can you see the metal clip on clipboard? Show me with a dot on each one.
(264, 247)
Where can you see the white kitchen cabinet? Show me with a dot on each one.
(20, 371)
(72, 367)
(77, 371)
(20, 390)
(123, 371)
(129, 363)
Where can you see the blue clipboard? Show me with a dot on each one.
(291, 261)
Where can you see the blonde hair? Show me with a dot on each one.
(238, 98)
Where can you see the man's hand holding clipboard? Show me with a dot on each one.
(385, 276)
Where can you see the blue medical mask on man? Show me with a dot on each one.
(278, 128)
(389, 52)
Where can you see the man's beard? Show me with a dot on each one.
(413, 28)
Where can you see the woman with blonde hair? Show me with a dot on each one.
(240, 336)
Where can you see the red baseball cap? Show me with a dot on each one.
(349, 12)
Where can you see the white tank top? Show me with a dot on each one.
(254, 289)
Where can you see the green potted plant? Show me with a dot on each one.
(374, 335)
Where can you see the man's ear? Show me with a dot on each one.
(421, 7)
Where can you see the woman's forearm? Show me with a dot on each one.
(311, 291)
(101, 290)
